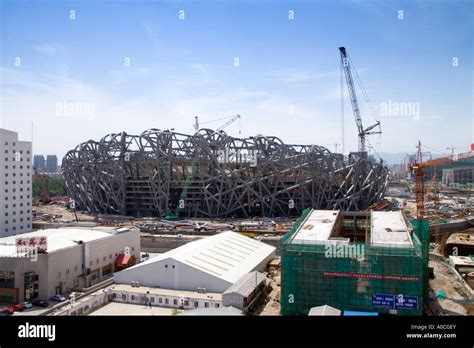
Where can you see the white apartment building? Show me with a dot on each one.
(15, 184)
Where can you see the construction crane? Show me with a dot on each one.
(419, 171)
(355, 104)
(196, 123)
(452, 148)
(233, 118)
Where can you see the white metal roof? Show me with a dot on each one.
(227, 255)
(325, 311)
(57, 239)
(317, 227)
(388, 228)
(246, 284)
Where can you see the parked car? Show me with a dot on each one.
(18, 307)
(40, 303)
(26, 304)
(58, 298)
(8, 310)
(3, 314)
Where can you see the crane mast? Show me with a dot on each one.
(355, 104)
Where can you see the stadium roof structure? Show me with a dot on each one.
(213, 175)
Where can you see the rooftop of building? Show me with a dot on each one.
(227, 255)
(57, 238)
(317, 227)
(246, 284)
(387, 228)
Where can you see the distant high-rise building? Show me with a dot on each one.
(51, 163)
(16, 182)
(39, 163)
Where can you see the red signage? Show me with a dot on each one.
(29, 243)
(370, 276)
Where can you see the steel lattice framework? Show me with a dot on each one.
(211, 174)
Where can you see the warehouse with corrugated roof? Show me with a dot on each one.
(210, 264)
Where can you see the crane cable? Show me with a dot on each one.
(364, 92)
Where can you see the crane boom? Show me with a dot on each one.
(235, 117)
(355, 104)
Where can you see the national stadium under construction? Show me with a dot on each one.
(212, 175)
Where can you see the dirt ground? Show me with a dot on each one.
(58, 209)
(272, 307)
(457, 300)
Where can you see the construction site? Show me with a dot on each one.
(350, 233)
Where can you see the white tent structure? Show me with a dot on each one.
(212, 263)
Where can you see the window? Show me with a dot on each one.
(166, 301)
(152, 299)
(103, 259)
(124, 297)
(97, 261)
(75, 268)
(217, 305)
(206, 304)
(196, 304)
(160, 300)
(175, 302)
(186, 303)
(133, 297)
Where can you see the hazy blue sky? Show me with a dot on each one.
(287, 83)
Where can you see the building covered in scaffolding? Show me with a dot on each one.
(355, 261)
(213, 175)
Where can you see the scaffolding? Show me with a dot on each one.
(385, 279)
